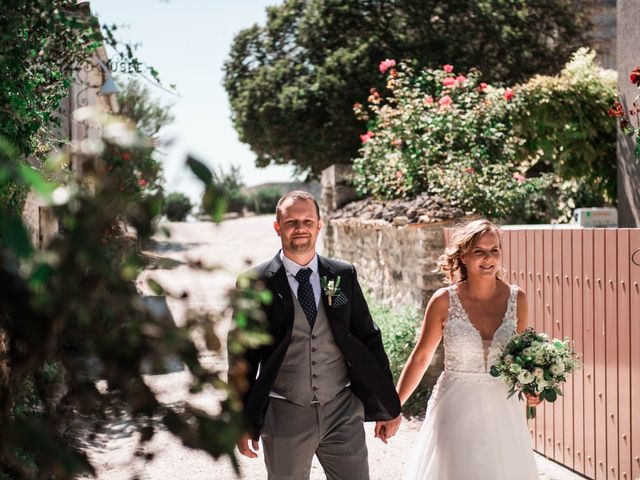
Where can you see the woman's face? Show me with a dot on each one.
(484, 259)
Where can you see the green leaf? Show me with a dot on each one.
(550, 395)
(155, 286)
(200, 170)
(214, 202)
(15, 235)
(33, 178)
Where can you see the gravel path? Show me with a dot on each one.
(233, 246)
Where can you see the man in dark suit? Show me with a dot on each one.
(325, 372)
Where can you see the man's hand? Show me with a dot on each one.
(387, 429)
(245, 449)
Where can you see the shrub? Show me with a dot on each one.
(528, 153)
(400, 329)
(564, 128)
(237, 201)
(265, 200)
(177, 206)
(447, 134)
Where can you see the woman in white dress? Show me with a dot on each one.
(471, 430)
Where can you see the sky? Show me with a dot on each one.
(187, 41)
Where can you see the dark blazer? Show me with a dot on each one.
(354, 332)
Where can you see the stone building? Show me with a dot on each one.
(84, 91)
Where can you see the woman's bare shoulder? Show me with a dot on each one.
(440, 299)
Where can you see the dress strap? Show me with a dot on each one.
(512, 307)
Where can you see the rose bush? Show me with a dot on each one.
(528, 153)
(444, 133)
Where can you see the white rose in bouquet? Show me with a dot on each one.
(525, 377)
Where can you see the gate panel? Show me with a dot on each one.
(611, 351)
(599, 351)
(578, 337)
(634, 307)
(589, 383)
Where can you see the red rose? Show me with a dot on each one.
(386, 65)
(449, 81)
(508, 94)
(142, 182)
(366, 137)
(635, 76)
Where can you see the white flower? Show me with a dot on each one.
(557, 368)
(515, 368)
(508, 381)
(543, 336)
(538, 372)
(525, 377)
(541, 384)
(508, 360)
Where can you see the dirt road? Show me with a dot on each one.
(233, 246)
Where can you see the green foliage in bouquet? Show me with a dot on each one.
(532, 364)
(400, 329)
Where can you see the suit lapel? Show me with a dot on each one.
(277, 279)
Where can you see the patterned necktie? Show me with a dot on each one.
(305, 295)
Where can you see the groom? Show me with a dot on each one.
(325, 371)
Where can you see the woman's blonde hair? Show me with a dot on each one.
(464, 238)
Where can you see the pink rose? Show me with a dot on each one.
(399, 175)
(445, 101)
(519, 177)
(508, 94)
(461, 79)
(386, 65)
(428, 100)
(142, 182)
(449, 81)
(482, 87)
(366, 137)
(470, 170)
(448, 68)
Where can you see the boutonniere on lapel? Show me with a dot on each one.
(331, 288)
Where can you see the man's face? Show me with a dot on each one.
(298, 226)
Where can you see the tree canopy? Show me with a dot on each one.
(292, 83)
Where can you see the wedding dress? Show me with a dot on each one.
(471, 430)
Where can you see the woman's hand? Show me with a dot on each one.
(532, 400)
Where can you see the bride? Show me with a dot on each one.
(471, 430)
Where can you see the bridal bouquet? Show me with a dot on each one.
(532, 364)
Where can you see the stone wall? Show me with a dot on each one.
(395, 263)
(628, 57)
(394, 259)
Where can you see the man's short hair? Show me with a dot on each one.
(297, 195)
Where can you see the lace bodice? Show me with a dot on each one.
(464, 349)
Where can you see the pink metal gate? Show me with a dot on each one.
(585, 284)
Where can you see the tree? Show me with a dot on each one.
(293, 82)
(137, 102)
(71, 314)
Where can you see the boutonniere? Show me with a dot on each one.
(331, 288)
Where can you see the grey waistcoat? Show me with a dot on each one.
(313, 367)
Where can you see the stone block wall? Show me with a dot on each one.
(395, 263)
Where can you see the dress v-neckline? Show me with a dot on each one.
(475, 329)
